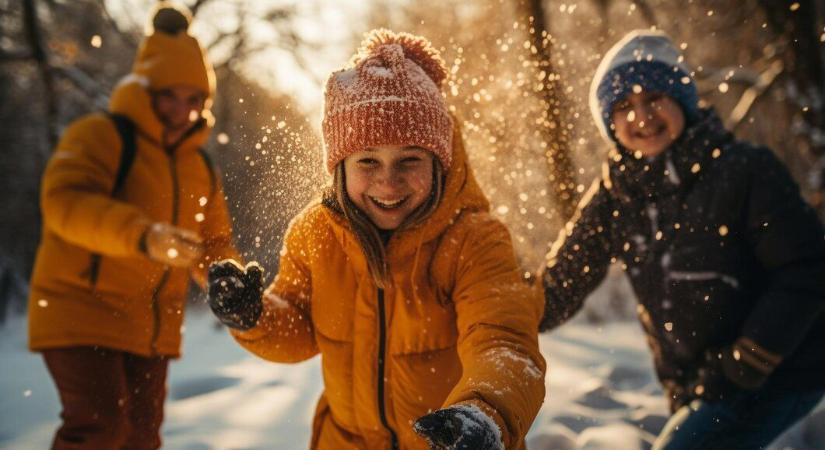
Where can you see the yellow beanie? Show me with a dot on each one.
(170, 56)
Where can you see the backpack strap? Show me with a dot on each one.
(128, 148)
(126, 130)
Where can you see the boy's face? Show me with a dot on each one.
(647, 122)
(388, 182)
(178, 107)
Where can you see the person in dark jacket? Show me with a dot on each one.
(725, 257)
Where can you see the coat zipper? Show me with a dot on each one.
(170, 153)
(382, 350)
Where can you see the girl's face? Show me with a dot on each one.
(388, 182)
(647, 122)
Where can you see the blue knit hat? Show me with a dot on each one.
(650, 60)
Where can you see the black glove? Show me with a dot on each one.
(459, 427)
(235, 293)
(709, 382)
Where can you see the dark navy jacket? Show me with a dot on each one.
(717, 243)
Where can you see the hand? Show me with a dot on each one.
(460, 427)
(709, 382)
(677, 395)
(235, 293)
(172, 246)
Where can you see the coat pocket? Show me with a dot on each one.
(700, 309)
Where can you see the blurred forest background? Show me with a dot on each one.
(520, 73)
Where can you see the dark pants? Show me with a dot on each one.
(111, 399)
(746, 421)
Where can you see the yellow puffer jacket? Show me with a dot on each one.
(457, 324)
(135, 304)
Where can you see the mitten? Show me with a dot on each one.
(235, 293)
(459, 427)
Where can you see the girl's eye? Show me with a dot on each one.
(367, 162)
(412, 160)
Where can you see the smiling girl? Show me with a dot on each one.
(399, 277)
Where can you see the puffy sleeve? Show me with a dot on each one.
(285, 332)
(579, 258)
(788, 240)
(76, 199)
(497, 321)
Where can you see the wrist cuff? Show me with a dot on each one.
(746, 351)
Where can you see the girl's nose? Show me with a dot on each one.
(390, 177)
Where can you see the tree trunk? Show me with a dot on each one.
(805, 67)
(557, 152)
(35, 38)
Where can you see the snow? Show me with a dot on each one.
(601, 394)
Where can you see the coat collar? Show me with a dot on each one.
(131, 99)
(674, 170)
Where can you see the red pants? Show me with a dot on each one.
(112, 400)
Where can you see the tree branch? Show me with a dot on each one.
(126, 37)
(752, 93)
(85, 83)
(15, 55)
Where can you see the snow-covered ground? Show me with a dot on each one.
(601, 394)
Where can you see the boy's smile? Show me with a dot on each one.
(647, 122)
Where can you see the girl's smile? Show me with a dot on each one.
(388, 182)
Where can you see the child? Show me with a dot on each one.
(132, 210)
(399, 277)
(726, 259)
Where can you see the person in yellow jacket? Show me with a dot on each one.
(398, 277)
(114, 263)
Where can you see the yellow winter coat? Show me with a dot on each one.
(135, 304)
(456, 325)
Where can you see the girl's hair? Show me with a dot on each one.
(368, 235)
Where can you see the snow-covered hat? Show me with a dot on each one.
(650, 60)
(390, 95)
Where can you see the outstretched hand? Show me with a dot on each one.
(235, 293)
(460, 427)
(171, 245)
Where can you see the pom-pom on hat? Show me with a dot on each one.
(169, 55)
(390, 95)
(650, 60)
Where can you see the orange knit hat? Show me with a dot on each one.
(389, 96)
(169, 55)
